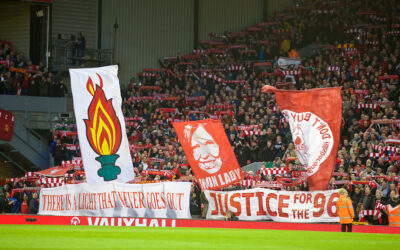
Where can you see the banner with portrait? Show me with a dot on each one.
(209, 153)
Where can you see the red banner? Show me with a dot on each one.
(209, 153)
(6, 125)
(54, 171)
(315, 117)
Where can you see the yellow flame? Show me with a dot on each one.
(97, 130)
(91, 90)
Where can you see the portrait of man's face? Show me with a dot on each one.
(205, 150)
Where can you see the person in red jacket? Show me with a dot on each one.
(24, 205)
(294, 54)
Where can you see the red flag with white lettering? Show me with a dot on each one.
(315, 117)
(209, 153)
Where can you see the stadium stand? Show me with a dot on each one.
(18, 76)
(356, 47)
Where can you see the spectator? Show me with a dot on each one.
(60, 90)
(24, 204)
(345, 210)
(34, 204)
(195, 206)
(12, 204)
(58, 152)
(3, 202)
(80, 45)
(230, 216)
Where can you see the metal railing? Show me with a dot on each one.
(66, 56)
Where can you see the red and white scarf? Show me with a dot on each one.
(167, 110)
(199, 51)
(377, 147)
(71, 163)
(361, 91)
(394, 141)
(291, 72)
(393, 32)
(30, 174)
(251, 183)
(350, 31)
(137, 146)
(228, 113)
(368, 42)
(134, 119)
(376, 18)
(221, 80)
(247, 127)
(235, 68)
(251, 133)
(333, 68)
(71, 147)
(224, 106)
(194, 99)
(367, 106)
(52, 182)
(368, 213)
(273, 171)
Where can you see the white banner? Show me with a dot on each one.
(285, 62)
(156, 200)
(101, 126)
(282, 206)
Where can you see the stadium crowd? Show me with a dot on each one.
(19, 76)
(356, 46)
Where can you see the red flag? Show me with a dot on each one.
(54, 171)
(209, 153)
(315, 117)
(6, 125)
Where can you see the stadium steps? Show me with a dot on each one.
(9, 168)
(26, 148)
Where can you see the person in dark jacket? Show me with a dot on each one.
(2, 201)
(58, 153)
(33, 88)
(60, 89)
(195, 206)
(269, 152)
(239, 152)
(356, 197)
(34, 204)
(367, 200)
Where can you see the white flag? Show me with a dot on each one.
(101, 125)
(285, 62)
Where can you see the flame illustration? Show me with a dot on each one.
(91, 87)
(103, 128)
